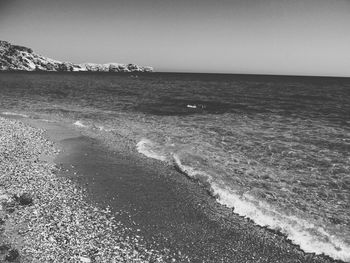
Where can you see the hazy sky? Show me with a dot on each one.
(305, 37)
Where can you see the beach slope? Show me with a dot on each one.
(45, 217)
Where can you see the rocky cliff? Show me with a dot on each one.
(18, 58)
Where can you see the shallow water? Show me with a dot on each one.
(275, 149)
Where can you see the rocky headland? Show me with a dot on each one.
(19, 58)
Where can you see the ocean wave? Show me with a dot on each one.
(192, 172)
(148, 148)
(310, 237)
(92, 125)
(14, 114)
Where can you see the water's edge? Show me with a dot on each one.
(235, 237)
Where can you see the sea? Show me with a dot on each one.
(274, 149)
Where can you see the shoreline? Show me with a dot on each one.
(216, 234)
(58, 224)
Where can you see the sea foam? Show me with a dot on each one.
(14, 114)
(79, 124)
(310, 238)
(147, 148)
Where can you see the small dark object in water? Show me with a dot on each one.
(25, 199)
(2, 221)
(12, 255)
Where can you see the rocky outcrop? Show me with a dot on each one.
(18, 58)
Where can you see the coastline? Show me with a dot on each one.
(173, 214)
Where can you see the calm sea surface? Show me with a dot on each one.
(275, 149)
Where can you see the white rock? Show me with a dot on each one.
(85, 259)
(14, 57)
(4, 197)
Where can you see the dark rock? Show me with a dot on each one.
(308, 257)
(113, 68)
(133, 67)
(335, 220)
(25, 199)
(21, 48)
(65, 67)
(5, 44)
(12, 255)
(4, 248)
(10, 209)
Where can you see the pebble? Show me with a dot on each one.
(25, 199)
(85, 259)
(4, 197)
(12, 255)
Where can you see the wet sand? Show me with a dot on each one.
(173, 214)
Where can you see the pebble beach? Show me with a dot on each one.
(95, 168)
(45, 217)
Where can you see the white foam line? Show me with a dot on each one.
(102, 128)
(144, 147)
(14, 114)
(191, 172)
(295, 228)
(46, 120)
(79, 124)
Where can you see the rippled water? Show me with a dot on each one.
(275, 149)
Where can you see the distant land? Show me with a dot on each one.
(19, 58)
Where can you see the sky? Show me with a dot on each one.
(289, 37)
